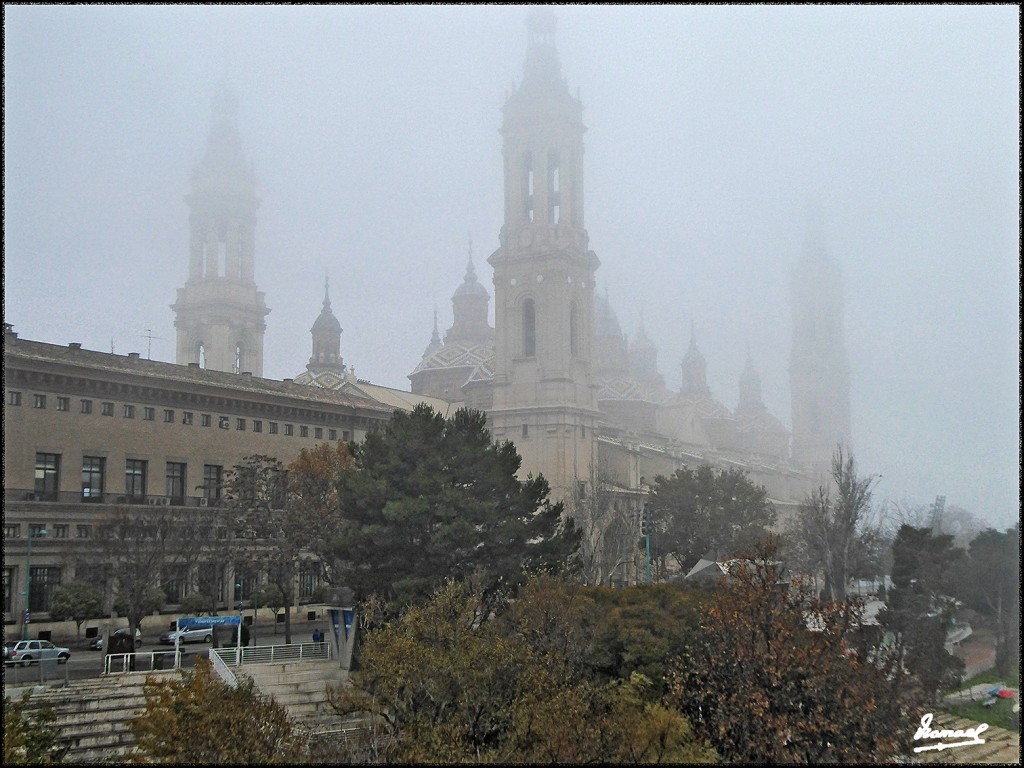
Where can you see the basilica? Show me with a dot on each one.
(585, 405)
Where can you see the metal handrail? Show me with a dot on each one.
(124, 663)
(222, 669)
(268, 654)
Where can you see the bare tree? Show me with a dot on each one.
(610, 526)
(140, 545)
(835, 531)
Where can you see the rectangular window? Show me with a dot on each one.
(289, 430)
(257, 426)
(345, 436)
(318, 433)
(583, 430)
(148, 413)
(174, 583)
(108, 409)
(12, 531)
(129, 411)
(60, 531)
(83, 531)
(63, 403)
(168, 416)
(39, 401)
(240, 425)
(8, 591)
(273, 427)
(224, 422)
(526, 430)
(47, 475)
(135, 479)
(304, 431)
(45, 579)
(36, 530)
(176, 482)
(186, 418)
(86, 406)
(14, 398)
(92, 478)
(332, 434)
(212, 474)
(205, 420)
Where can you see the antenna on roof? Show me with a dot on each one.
(111, 345)
(149, 346)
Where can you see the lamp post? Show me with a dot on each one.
(26, 616)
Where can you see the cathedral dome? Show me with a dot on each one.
(470, 285)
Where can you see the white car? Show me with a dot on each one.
(30, 651)
(192, 635)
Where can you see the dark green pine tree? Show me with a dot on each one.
(435, 498)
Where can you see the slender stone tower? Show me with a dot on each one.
(544, 399)
(219, 314)
(819, 372)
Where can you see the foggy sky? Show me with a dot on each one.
(711, 133)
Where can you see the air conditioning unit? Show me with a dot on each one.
(203, 501)
(153, 501)
(165, 501)
(30, 497)
(122, 500)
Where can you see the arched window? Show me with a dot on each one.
(529, 329)
(574, 329)
(554, 183)
(528, 186)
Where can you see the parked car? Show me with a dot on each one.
(28, 651)
(97, 643)
(203, 634)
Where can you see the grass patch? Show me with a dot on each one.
(1000, 714)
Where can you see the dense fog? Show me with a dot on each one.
(718, 139)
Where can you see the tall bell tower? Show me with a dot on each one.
(219, 314)
(819, 371)
(544, 399)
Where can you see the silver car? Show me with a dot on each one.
(191, 635)
(28, 652)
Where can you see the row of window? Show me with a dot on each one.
(56, 531)
(136, 478)
(187, 417)
(210, 581)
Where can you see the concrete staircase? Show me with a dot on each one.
(93, 714)
(299, 686)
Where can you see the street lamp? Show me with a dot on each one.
(28, 581)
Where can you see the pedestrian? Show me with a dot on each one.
(317, 636)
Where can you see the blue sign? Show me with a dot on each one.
(209, 621)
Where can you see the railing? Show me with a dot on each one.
(38, 671)
(222, 669)
(268, 654)
(122, 663)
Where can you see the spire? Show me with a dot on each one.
(695, 380)
(750, 387)
(435, 339)
(326, 332)
(542, 70)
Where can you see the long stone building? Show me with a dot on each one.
(585, 405)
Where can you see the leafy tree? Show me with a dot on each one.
(451, 686)
(78, 601)
(314, 477)
(200, 720)
(990, 584)
(696, 511)
(29, 735)
(834, 531)
(771, 677)
(269, 596)
(920, 608)
(434, 498)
